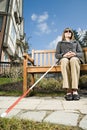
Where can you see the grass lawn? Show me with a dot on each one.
(10, 87)
(8, 81)
(5, 81)
(20, 124)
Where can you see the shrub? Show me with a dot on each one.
(50, 84)
(14, 73)
(83, 81)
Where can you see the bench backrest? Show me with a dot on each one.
(47, 57)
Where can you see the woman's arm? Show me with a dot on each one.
(58, 53)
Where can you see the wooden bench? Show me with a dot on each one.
(40, 62)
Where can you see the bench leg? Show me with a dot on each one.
(32, 79)
(25, 76)
(25, 82)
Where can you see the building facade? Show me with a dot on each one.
(12, 36)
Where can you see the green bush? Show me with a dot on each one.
(83, 81)
(50, 84)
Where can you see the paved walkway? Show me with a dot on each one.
(47, 109)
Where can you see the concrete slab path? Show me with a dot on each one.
(47, 109)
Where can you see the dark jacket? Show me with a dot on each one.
(64, 47)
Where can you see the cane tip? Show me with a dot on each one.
(3, 114)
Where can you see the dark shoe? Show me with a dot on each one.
(76, 97)
(69, 97)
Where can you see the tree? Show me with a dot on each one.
(84, 40)
(81, 38)
(77, 37)
(26, 47)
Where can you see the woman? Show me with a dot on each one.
(70, 54)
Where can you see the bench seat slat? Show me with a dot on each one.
(43, 69)
(83, 67)
(55, 69)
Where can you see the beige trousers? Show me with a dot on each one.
(70, 72)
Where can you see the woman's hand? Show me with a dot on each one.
(69, 54)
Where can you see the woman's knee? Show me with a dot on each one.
(74, 60)
(64, 61)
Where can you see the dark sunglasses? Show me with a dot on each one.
(66, 31)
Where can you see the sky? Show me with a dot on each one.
(45, 20)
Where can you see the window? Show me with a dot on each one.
(4, 5)
(6, 57)
(1, 21)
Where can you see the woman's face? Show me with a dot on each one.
(67, 34)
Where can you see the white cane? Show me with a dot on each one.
(18, 100)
